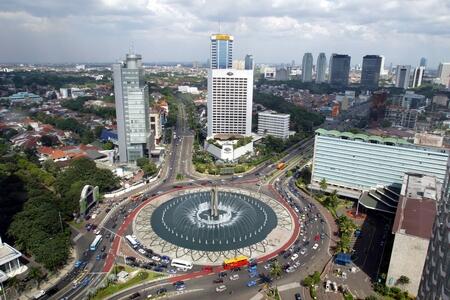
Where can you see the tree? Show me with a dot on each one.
(323, 185)
(403, 280)
(48, 141)
(276, 270)
(108, 145)
(141, 162)
(150, 169)
(371, 297)
(35, 274)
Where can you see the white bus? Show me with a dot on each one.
(132, 241)
(182, 264)
(96, 242)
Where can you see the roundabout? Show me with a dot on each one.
(209, 225)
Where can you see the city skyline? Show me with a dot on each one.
(274, 32)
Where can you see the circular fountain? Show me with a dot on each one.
(213, 220)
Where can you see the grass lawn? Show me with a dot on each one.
(76, 225)
(143, 276)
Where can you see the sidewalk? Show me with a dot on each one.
(53, 279)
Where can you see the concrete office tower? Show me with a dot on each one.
(370, 74)
(221, 51)
(249, 64)
(434, 283)
(307, 65)
(274, 124)
(417, 76)
(383, 71)
(230, 100)
(444, 74)
(321, 68)
(423, 62)
(339, 69)
(131, 94)
(402, 76)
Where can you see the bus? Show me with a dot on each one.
(281, 166)
(96, 242)
(182, 264)
(132, 241)
(236, 262)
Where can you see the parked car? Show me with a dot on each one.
(251, 283)
(221, 288)
(315, 246)
(218, 280)
(234, 277)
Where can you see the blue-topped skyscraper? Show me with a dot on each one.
(221, 51)
(307, 65)
(131, 96)
(339, 69)
(321, 68)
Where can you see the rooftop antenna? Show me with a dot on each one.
(132, 48)
(219, 26)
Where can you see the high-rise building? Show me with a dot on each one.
(383, 72)
(131, 94)
(274, 124)
(321, 68)
(434, 283)
(249, 64)
(370, 74)
(417, 76)
(230, 100)
(339, 69)
(221, 51)
(444, 74)
(423, 62)
(307, 65)
(402, 76)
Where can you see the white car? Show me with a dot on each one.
(156, 258)
(97, 231)
(294, 256)
(303, 251)
(290, 269)
(327, 285)
(334, 286)
(267, 266)
(315, 246)
(297, 264)
(221, 288)
(234, 277)
(305, 238)
(142, 251)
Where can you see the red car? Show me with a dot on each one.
(317, 238)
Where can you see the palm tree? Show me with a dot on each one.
(323, 185)
(275, 270)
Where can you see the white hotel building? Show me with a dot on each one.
(230, 100)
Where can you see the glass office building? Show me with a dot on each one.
(221, 51)
(359, 162)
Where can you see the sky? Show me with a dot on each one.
(274, 31)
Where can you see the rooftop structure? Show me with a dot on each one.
(412, 228)
(221, 51)
(9, 261)
(24, 97)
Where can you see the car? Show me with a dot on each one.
(108, 235)
(158, 269)
(218, 280)
(298, 296)
(156, 258)
(223, 274)
(178, 283)
(290, 269)
(303, 251)
(97, 231)
(286, 255)
(134, 296)
(327, 285)
(39, 294)
(78, 263)
(161, 291)
(98, 257)
(221, 288)
(294, 256)
(334, 286)
(253, 274)
(251, 283)
(297, 264)
(317, 237)
(234, 277)
(315, 246)
(267, 266)
(237, 269)
(142, 251)
(104, 255)
(305, 238)
(252, 268)
(103, 249)
(172, 271)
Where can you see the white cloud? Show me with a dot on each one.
(274, 30)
